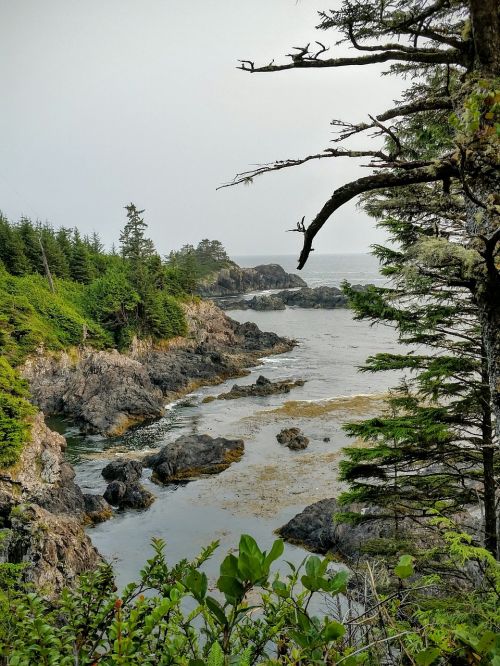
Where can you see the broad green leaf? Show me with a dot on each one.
(404, 568)
(333, 631)
(231, 587)
(216, 609)
(276, 551)
(427, 657)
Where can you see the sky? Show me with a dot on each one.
(110, 101)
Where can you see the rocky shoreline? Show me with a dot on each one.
(327, 298)
(107, 392)
(233, 281)
(43, 512)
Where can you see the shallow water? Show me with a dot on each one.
(270, 484)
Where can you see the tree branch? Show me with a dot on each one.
(445, 57)
(378, 181)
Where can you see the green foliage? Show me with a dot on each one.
(15, 410)
(169, 617)
(193, 264)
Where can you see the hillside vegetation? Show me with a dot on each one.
(59, 289)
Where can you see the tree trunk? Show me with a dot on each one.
(488, 451)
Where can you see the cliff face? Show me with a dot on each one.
(107, 392)
(235, 280)
(42, 514)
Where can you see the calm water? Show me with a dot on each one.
(270, 484)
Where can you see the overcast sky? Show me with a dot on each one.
(110, 101)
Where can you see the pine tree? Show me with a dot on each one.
(12, 249)
(81, 267)
(434, 446)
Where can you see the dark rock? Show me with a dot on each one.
(262, 387)
(123, 470)
(193, 455)
(293, 438)
(265, 303)
(128, 495)
(315, 529)
(96, 508)
(253, 339)
(326, 439)
(235, 280)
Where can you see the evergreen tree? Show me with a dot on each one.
(12, 249)
(81, 267)
(435, 446)
(456, 42)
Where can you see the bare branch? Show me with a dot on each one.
(247, 176)
(431, 104)
(437, 57)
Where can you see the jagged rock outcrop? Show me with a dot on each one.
(293, 438)
(192, 455)
(262, 387)
(322, 297)
(235, 280)
(107, 392)
(43, 513)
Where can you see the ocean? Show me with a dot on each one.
(270, 484)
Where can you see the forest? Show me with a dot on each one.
(426, 591)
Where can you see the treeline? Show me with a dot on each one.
(104, 298)
(60, 289)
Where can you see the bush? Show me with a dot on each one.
(14, 412)
(170, 617)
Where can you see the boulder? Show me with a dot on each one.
(315, 529)
(123, 470)
(128, 495)
(96, 508)
(193, 455)
(262, 387)
(265, 303)
(293, 438)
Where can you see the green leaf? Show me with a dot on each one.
(229, 566)
(215, 656)
(232, 588)
(427, 657)
(276, 552)
(338, 584)
(196, 582)
(404, 568)
(333, 631)
(216, 609)
(249, 546)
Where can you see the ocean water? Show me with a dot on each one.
(270, 484)
(323, 269)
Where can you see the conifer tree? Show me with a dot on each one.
(81, 267)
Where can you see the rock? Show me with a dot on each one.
(317, 297)
(128, 495)
(293, 438)
(235, 280)
(123, 470)
(54, 548)
(96, 508)
(107, 392)
(42, 513)
(265, 303)
(262, 387)
(315, 529)
(326, 439)
(193, 455)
